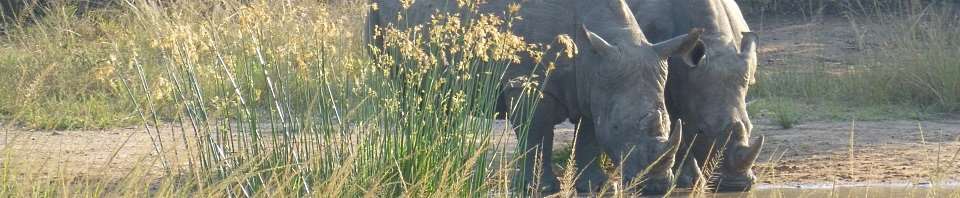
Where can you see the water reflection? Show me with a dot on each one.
(862, 190)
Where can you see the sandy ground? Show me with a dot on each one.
(812, 152)
(890, 151)
(97, 154)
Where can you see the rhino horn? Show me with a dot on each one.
(746, 153)
(752, 154)
(666, 159)
(694, 167)
(675, 136)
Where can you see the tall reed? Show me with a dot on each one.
(282, 98)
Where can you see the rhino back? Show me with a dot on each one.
(537, 21)
(540, 20)
(655, 17)
(721, 19)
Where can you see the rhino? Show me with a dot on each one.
(708, 88)
(613, 89)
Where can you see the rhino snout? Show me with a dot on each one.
(739, 182)
(739, 176)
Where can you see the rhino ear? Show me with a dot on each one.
(748, 45)
(600, 46)
(694, 56)
(748, 51)
(680, 45)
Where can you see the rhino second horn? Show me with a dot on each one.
(737, 129)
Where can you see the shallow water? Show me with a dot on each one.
(861, 190)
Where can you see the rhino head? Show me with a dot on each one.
(712, 98)
(627, 78)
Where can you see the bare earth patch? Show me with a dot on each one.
(815, 152)
(885, 151)
(820, 152)
(111, 153)
(791, 44)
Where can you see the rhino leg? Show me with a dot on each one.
(538, 147)
(587, 157)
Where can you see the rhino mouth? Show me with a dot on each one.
(735, 173)
(731, 183)
(656, 185)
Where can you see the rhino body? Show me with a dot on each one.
(708, 88)
(613, 88)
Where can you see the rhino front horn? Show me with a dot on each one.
(666, 160)
(675, 135)
(752, 154)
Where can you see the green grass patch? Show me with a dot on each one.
(71, 113)
(913, 73)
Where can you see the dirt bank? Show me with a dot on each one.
(889, 151)
(821, 152)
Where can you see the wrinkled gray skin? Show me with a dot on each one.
(708, 88)
(613, 88)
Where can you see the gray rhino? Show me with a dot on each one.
(708, 88)
(613, 89)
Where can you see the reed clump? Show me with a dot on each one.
(274, 98)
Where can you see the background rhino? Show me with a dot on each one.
(613, 89)
(708, 88)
